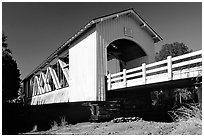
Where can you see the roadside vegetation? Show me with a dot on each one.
(57, 125)
(187, 112)
(187, 121)
(12, 96)
(10, 75)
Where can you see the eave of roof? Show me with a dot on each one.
(143, 24)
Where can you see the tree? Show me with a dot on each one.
(174, 49)
(171, 97)
(10, 73)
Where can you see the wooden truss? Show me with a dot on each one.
(52, 79)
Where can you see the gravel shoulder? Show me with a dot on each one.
(139, 127)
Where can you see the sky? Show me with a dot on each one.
(35, 30)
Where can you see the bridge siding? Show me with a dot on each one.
(82, 69)
(113, 29)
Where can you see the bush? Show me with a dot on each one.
(187, 112)
(62, 123)
(172, 98)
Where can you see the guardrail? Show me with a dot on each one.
(184, 66)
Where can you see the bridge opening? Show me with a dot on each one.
(123, 54)
(126, 54)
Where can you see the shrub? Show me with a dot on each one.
(189, 111)
(55, 125)
(63, 122)
(35, 128)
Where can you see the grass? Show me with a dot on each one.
(35, 128)
(54, 126)
(189, 120)
(62, 123)
(187, 112)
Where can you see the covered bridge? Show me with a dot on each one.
(78, 69)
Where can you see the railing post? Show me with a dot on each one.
(169, 66)
(109, 81)
(124, 78)
(144, 73)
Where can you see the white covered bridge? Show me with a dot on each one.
(109, 53)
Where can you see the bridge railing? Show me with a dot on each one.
(184, 66)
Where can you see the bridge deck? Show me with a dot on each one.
(177, 68)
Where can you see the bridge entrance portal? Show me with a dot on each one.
(126, 54)
(123, 54)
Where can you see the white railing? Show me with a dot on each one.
(180, 67)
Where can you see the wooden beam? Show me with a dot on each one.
(124, 78)
(144, 73)
(54, 78)
(169, 66)
(142, 25)
(46, 85)
(64, 70)
(109, 81)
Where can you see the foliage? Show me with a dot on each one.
(63, 123)
(174, 49)
(187, 112)
(10, 73)
(5, 49)
(163, 100)
(35, 128)
(19, 98)
(54, 126)
(170, 98)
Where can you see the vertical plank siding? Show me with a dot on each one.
(111, 30)
(82, 69)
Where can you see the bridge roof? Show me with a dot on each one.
(130, 12)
